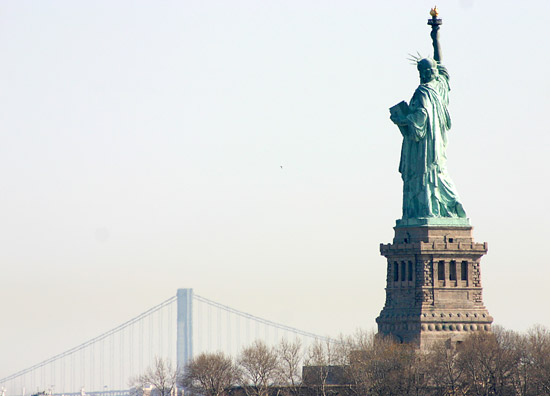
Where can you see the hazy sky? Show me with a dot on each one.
(142, 144)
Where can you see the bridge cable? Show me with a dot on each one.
(92, 341)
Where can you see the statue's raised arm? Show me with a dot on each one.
(434, 22)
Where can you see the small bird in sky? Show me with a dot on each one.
(281, 166)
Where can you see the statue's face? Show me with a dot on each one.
(428, 70)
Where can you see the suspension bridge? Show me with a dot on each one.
(176, 329)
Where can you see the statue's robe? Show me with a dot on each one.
(428, 190)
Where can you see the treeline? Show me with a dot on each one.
(500, 363)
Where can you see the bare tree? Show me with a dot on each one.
(443, 369)
(489, 361)
(325, 365)
(289, 365)
(513, 365)
(392, 368)
(366, 364)
(501, 363)
(210, 374)
(538, 345)
(360, 348)
(259, 368)
(161, 377)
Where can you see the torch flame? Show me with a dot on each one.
(434, 12)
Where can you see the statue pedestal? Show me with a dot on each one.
(433, 289)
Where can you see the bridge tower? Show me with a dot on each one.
(184, 327)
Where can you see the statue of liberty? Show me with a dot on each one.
(428, 191)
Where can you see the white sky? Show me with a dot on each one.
(142, 144)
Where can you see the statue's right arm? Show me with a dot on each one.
(435, 41)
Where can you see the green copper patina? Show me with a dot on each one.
(429, 195)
